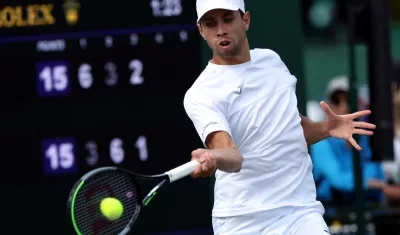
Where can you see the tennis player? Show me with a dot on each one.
(244, 108)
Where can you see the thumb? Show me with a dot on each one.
(326, 108)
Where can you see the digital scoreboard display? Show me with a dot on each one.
(86, 84)
(93, 83)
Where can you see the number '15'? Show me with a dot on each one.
(54, 78)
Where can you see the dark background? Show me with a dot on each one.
(33, 202)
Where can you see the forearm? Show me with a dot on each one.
(314, 131)
(228, 159)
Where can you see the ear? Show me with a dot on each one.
(201, 30)
(246, 21)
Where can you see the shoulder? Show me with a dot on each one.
(203, 80)
(264, 53)
(198, 96)
(198, 91)
(193, 95)
(268, 57)
(202, 90)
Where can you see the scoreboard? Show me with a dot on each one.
(85, 84)
(94, 83)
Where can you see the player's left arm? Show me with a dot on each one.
(314, 131)
(338, 126)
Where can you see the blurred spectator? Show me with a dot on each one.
(396, 111)
(333, 161)
(392, 192)
(392, 168)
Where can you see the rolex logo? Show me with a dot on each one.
(71, 11)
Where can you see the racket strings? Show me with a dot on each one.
(87, 205)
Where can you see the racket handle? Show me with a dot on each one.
(182, 171)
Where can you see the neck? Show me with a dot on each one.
(243, 57)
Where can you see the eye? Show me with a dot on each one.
(209, 24)
(228, 20)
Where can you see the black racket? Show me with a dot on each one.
(87, 194)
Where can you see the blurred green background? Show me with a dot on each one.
(323, 62)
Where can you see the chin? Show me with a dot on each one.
(226, 55)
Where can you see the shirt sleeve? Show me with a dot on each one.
(205, 114)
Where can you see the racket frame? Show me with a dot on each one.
(166, 178)
(81, 182)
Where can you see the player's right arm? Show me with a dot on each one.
(213, 128)
(223, 149)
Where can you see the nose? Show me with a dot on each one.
(221, 30)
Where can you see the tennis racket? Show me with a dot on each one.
(87, 194)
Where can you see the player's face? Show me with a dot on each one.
(224, 31)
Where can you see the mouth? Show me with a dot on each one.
(224, 44)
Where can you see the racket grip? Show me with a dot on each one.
(182, 171)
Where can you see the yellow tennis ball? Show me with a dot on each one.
(111, 208)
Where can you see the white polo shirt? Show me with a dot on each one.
(256, 104)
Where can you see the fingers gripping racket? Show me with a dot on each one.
(87, 194)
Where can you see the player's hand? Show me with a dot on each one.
(345, 126)
(208, 164)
